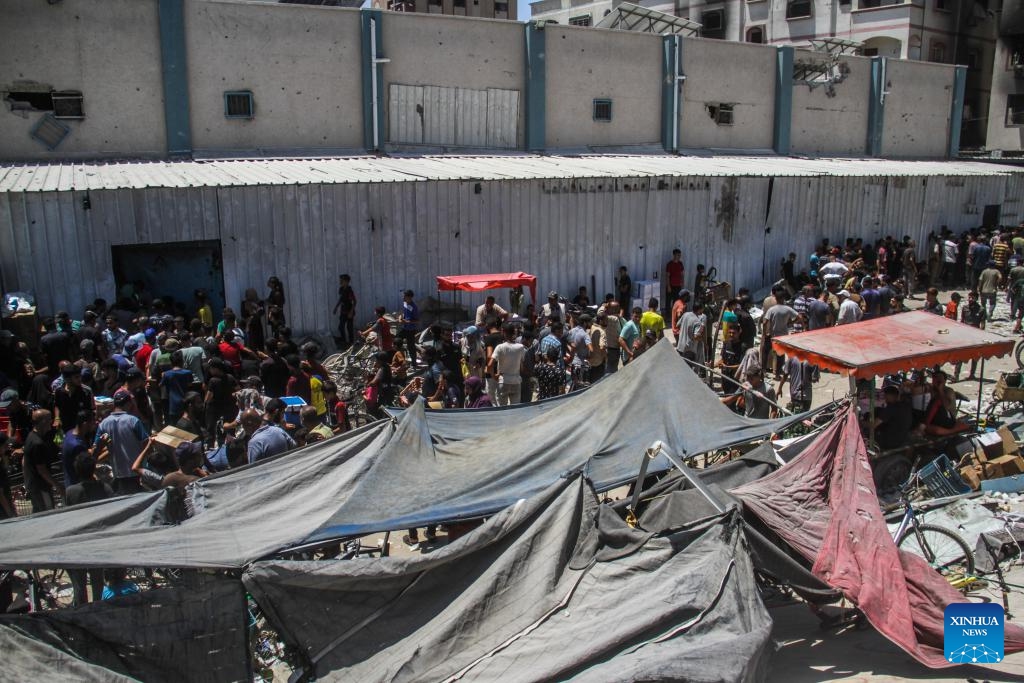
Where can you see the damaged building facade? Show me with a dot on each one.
(218, 143)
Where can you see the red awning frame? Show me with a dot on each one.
(479, 283)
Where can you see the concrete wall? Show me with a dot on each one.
(1004, 83)
(834, 125)
(107, 49)
(738, 74)
(916, 109)
(584, 64)
(302, 65)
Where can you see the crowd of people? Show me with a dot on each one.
(97, 388)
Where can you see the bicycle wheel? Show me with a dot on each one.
(946, 552)
(1018, 354)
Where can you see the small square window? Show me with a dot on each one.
(238, 104)
(798, 9)
(974, 59)
(712, 23)
(721, 113)
(1015, 110)
(941, 5)
(602, 110)
(68, 105)
(50, 131)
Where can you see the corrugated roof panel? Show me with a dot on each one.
(340, 170)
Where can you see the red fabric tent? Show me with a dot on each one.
(824, 505)
(478, 283)
(892, 344)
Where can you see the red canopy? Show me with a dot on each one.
(477, 283)
(892, 344)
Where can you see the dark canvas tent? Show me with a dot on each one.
(397, 475)
(552, 588)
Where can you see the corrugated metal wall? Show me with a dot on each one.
(437, 115)
(390, 236)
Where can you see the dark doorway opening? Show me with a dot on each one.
(173, 271)
(990, 218)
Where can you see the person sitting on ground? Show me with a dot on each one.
(893, 420)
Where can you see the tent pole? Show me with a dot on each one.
(739, 384)
(853, 385)
(871, 416)
(661, 448)
(981, 386)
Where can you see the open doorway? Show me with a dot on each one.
(172, 271)
(990, 218)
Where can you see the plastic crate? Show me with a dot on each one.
(942, 479)
(291, 412)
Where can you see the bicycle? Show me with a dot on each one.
(944, 550)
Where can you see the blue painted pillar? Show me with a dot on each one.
(373, 79)
(876, 107)
(671, 102)
(783, 125)
(171, 15)
(536, 83)
(956, 112)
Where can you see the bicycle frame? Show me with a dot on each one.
(909, 520)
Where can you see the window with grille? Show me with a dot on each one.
(755, 34)
(721, 113)
(937, 53)
(602, 110)
(49, 131)
(583, 20)
(238, 104)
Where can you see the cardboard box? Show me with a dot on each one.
(971, 476)
(1010, 446)
(990, 445)
(1003, 466)
(172, 437)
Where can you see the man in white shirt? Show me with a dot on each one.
(849, 310)
(552, 306)
(506, 362)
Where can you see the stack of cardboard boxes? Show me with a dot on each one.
(996, 455)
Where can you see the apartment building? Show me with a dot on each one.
(487, 9)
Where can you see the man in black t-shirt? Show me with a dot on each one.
(55, 344)
(39, 452)
(72, 397)
(346, 311)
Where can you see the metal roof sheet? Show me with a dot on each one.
(397, 169)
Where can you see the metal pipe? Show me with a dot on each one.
(981, 386)
(738, 384)
(660, 448)
(871, 414)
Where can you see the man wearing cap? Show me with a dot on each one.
(489, 309)
(72, 397)
(553, 308)
(121, 437)
(849, 310)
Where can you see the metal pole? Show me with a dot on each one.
(981, 385)
(739, 384)
(871, 414)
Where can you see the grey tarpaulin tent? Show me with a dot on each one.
(555, 587)
(393, 476)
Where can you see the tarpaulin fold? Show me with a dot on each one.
(823, 504)
(193, 633)
(556, 587)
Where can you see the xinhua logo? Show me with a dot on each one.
(974, 633)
